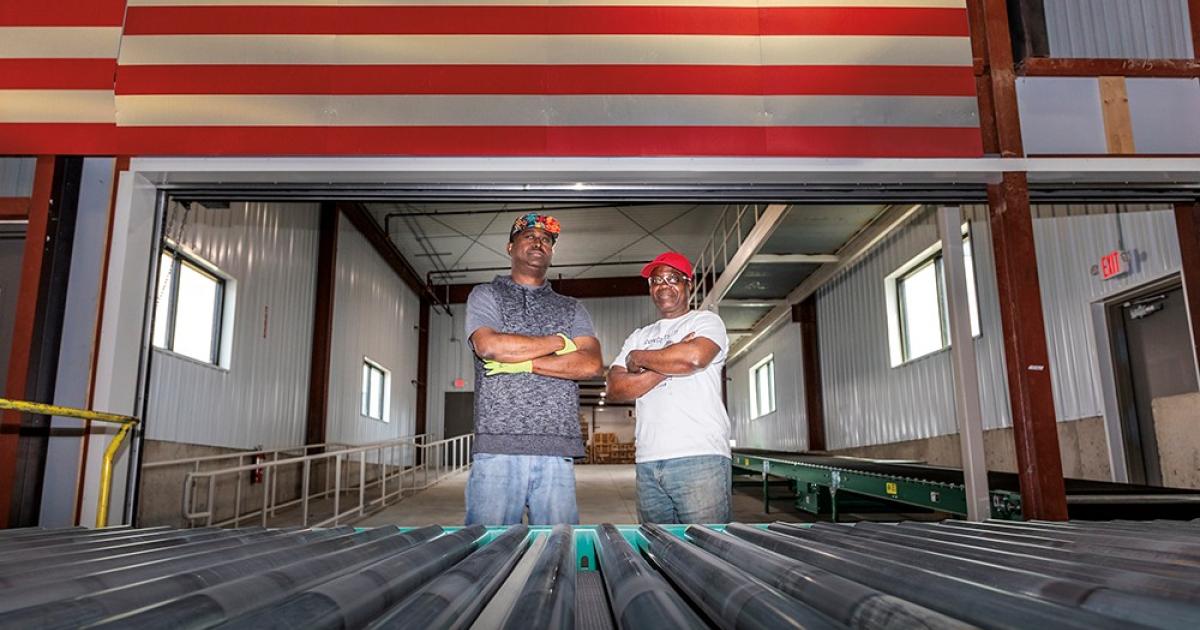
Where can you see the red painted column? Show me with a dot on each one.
(805, 313)
(23, 329)
(1026, 357)
(322, 342)
(1187, 224)
(422, 366)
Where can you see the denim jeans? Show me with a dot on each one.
(684, 490)
(502, 486)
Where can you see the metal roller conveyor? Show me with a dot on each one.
(354, 599)
(20, 555)
(1128, 578)
(455, 598)
(548, 599)
(729, 596)
(843, 600)
(216, 603)
(639, 596)
(37, 593)
(866, 576)
(82, 611)
(1089, 595)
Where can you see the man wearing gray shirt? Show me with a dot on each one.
(531, 346)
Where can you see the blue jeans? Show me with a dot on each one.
(684, 490)
(502, 486)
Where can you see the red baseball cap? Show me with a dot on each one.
(674, 260)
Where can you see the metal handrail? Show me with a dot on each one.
(442, 458)
(719, 241)
(110, 453)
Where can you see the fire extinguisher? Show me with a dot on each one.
(256, 475)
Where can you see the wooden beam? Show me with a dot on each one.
(1187, 225)
(14, 208)
(23, 330)
(1027, 362)
(366, 225)
(624, 286)
(322, 341)
(793, 259)
(805, 314)
(1118, 123)
(1152, 68)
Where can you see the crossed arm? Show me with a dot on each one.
(645, 369)
(585, 363)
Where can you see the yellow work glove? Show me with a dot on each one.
(568, 345)
(495, 367)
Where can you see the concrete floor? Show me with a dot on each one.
(605, 494)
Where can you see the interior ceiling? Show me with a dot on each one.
(464, 243)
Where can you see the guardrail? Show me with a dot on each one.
(431, 463)
(110, 454)
(730, 230)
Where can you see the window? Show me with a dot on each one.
(762, 387)
(376, 391)
(919, 312)
(188, 307)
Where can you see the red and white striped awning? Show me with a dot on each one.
(863, 78)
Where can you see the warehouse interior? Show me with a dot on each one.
(954, 244)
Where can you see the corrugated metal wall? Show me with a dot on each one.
(869, 402)
(1135, 29)
(450, 357)
(787, 427)
(1070, 241)
(375, 315)
(16, 176)
(270, 250)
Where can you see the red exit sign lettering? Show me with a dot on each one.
(1112, 265)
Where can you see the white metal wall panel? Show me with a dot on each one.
(375, 316)
(1134, 29)
(786, 428)
(1061, 115)
(1070, 240)
(270, 250)
(450, 356)
(16, 176)
(867, 401)
(1165, 115)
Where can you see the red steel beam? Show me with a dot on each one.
(1004, 78)
(1026, 357)
(14, 208)
(1194, 21)
(422, 366)
(1187, 224)
(805, 313)
(322, 342)
(22, 333)
(1059, 67)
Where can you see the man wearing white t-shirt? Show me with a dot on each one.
(673, 369)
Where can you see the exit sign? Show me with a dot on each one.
(1112, 264)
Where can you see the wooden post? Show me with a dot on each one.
(1026, 357)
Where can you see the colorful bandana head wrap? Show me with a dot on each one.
(535, 220)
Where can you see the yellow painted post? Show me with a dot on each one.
(110, 454)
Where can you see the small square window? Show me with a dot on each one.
(762, 387)
(376, 391)
(188, 307)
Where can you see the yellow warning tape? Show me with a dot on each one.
(110, 453)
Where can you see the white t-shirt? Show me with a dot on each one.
(682, 416)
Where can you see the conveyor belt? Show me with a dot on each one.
(913, 483)
(945, 576)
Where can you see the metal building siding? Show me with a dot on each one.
(1135, 29)
(615, 318)
(786, 428)
(270, 251)
(1070, 240)
(867, 401)
(375, 316)
(16, 176)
